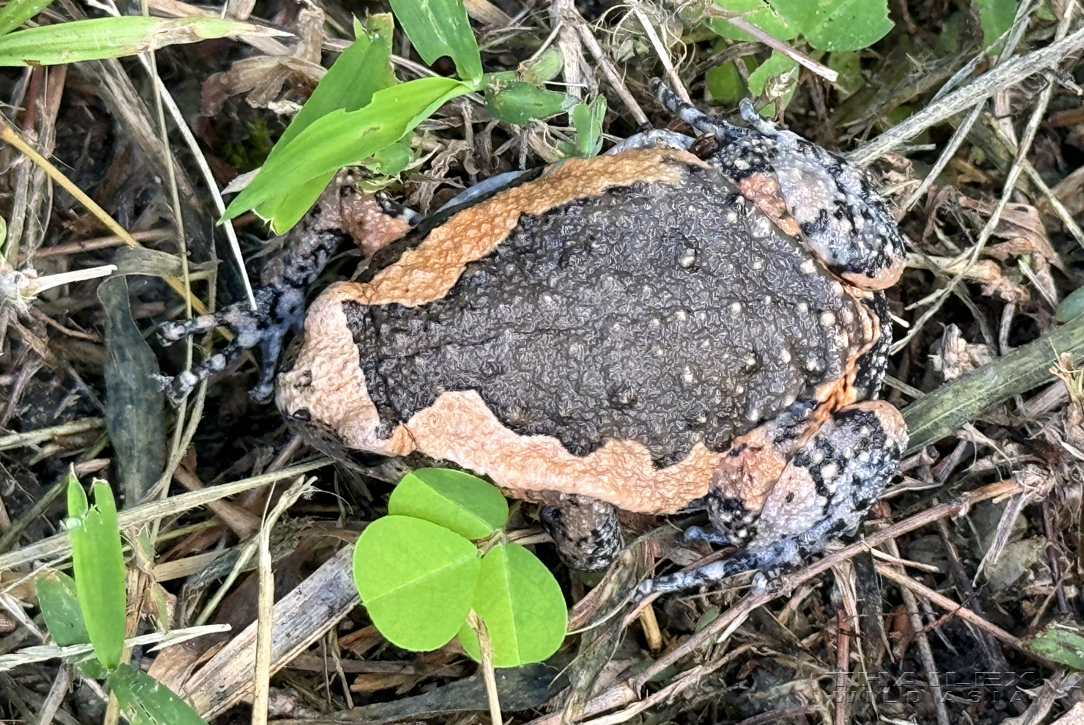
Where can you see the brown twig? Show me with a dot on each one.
(933, 676)
(90, 245)
(843, 665)
(573, 18)
(944, 602)
(775, 44)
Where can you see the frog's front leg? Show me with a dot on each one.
(280, 301)
(825, 489)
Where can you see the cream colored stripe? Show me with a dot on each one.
(428, 271)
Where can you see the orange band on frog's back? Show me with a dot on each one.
(427, 272)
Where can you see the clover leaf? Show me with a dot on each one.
(419, 575)
(455, 500)
(521, 605)
(416, 579)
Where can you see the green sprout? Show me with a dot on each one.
(90, 609)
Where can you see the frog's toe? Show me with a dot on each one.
(708, 535)
(586, 531)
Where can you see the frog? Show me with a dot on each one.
(682, 323)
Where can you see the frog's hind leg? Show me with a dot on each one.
(825, 490)
(586, 531)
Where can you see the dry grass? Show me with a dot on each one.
(927, 618)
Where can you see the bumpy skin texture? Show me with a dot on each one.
(842, 219)
(675, 325)
(646, 343)
(665, 314)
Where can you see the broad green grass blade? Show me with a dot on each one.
(360, 71)
(363, 69)
(146, 701)
(343, 137)
(17, 12)
(284, 211)
(440, 27)
(99, 568)
(111, 38)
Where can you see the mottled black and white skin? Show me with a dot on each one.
(681, 323)
(280, 299)
(842, 218)
(846, 223)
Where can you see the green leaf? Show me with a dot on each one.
(518, 102)
(146, 701)
(286, 210)
(344, 137)
(543, 68)
(391, 160)
(776, 67)
(360, 71)
(587, 119)
(838, 25)
(1070, 307)
(17, 12)
(59, 605)
(996, 17)
(440, 28)
(522, 607)
(455, 500)
(756, 12)
(849, 67)
(99, 568)
(723, 84)
(416, 580)
(1059, 643)
(110, 38)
